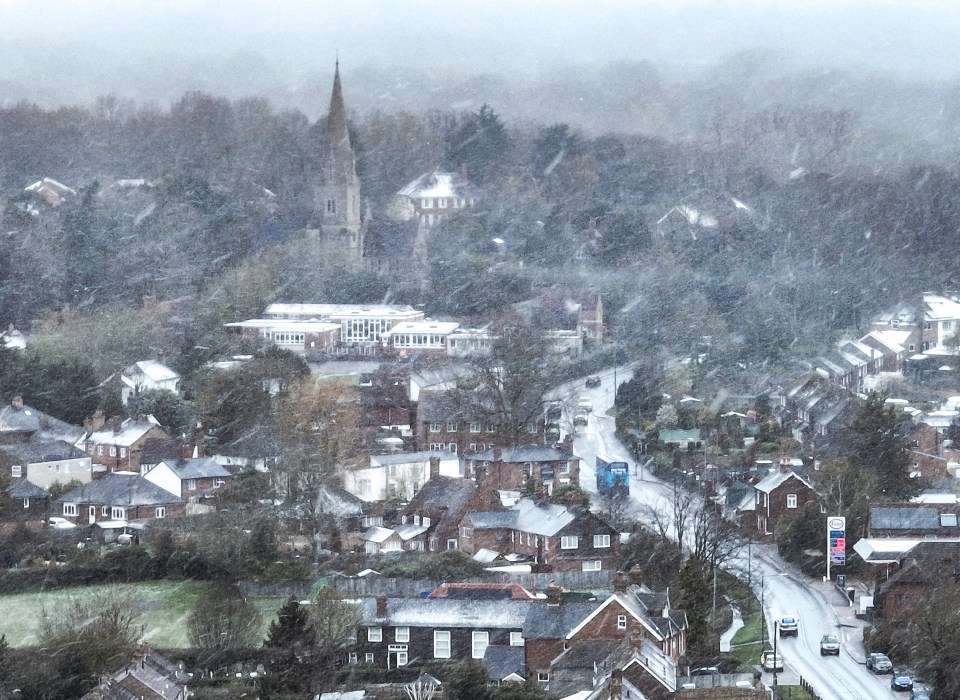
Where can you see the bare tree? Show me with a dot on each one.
(223, 619)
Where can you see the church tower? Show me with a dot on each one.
(336, 193)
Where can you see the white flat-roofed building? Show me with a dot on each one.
(359, 323)
(295, 335)
(465, 342)
(419, 336)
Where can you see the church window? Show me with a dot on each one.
(332, 206)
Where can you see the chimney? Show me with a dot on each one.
(186, 450)
(620, 582)
(554, 594)
(497, 454)
(381, 606)
(434, 467)
(616, 684)
(116, 424)
(784, 465)
(635, 575)
(94, 422)
(566, 447)
(17, 403)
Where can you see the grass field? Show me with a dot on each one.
(163, 607)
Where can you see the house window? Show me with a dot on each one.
(401, 657)
(332, 206)
(113, 451)
(105, 511)
(465, 532)
(591, 566)
(374, 634)
(26, 502)
(70, 509)
(436, 427)
(569, 542)
(621, 622)
(100, 450)
(16, 470)
(437, 446)
(402, 634)
(912, 347)
(565, 467)
(791, 500)
(451, 426)
(516, 639)
(217, 483)
(352, 658)
(452, 447)
(191, 484)
(441, 644)
(479, 645)
(426, 521)
(117, 513)
(474, 427)
(123, 451)
(491, 428)
(161, 512)
(451, 544)
(473, 447)
(416, 519)
(443, 205)
(368, 658)
(427, 203)
(601, 541)
(543, 676)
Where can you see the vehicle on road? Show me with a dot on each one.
(901, 681)
(920, 694)
(879, 663)
(592, 382)
(829, 644)
(580, 418)
(788, 626)
(613, 476)
(771, 660)
(705, 671)
(585, 404)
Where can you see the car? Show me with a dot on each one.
(920, 694)
(771, 661)
(580, 418)
(585, 404)
(593, 382)
(901, 681)
(788, 626)
(60, 523)
(829, 644)
(879, 663)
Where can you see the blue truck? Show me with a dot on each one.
(613, 476)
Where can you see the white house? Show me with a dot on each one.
(401, 474)
(144, 375)
(189, 478)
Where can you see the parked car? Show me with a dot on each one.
(920, 694)
(580, 418)
(879, 663)
(705, 671)
(771, 661)
(593, 382)
(829, 644)
(60, 523)
(585, 404)
(901, 681)
(788, 626)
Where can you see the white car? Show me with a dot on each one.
(585, 404)
(60, 523)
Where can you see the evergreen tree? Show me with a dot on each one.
(693, 596)
(877, 439)
(292, 627)
(469, 681)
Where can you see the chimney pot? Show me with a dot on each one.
(434, 467)
(17, 402)
(381, 606)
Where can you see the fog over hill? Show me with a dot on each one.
(409, 53)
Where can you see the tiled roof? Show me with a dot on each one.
(21, 488)
(904, 518)
(120, 489)
(546, 519)
(448, 612)
(482, 591)
(503, 661)
(199, 468)
(528, 453)
(546, 621)
(34, 452)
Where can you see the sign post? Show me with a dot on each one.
(836, 542)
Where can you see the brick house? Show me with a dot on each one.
(20, 423)
(431, 520)
(397, 631)
(514, 468)
(925, 567)
(778, 494)
(117, 445)
(117, 499)
(445, 423)
(28, 502)
(913, 521)
(551, 535)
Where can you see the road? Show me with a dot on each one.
(783, 591)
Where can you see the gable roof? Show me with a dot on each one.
(21, 488)
(120, 489)
(777, 478)
(126, 434)
(546, 519)
(447, 612)
(502, 662)
(629, 603)
(34, 452)
(546, 621)
(198, 468)
(442, 493)
(152, 370)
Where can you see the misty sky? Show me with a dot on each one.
(64, 51)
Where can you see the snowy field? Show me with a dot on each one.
(163, 606)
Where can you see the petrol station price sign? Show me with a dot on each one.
(837, 540)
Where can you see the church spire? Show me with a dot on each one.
(338, 136)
